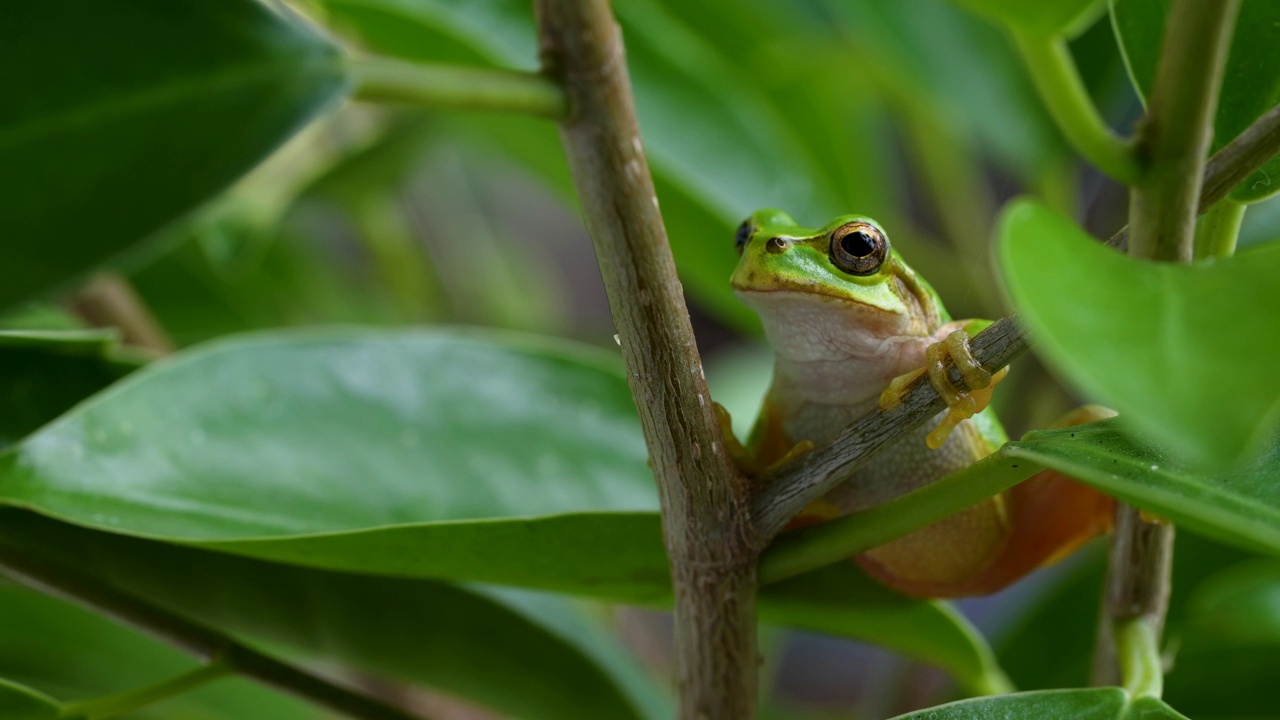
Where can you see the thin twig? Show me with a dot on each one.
(1174, 137)
(817, 472)
(199, 640)
(705, 517)
(381, 79)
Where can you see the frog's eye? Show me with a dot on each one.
(744, 234)
(859, 248)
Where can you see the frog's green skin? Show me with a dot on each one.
(839, 339)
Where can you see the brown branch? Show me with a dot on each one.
(109, 300)
(1174, 139)
(816, 473)
(1240, 158)
(704, 496)
(199, 640)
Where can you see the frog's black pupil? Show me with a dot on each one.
(858, 244)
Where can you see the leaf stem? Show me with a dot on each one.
(1174, 138)
(705, 498)
(1137, 644)
(804, 550)
(380, 79)
(204, 642)
(121, 703)
(1056, 79)
(1219, 228)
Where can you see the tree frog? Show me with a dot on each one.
(848, 318)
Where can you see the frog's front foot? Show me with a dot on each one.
(962, 404)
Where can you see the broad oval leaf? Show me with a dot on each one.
(71, 653)
(1183, 351)
(525, 655)
(22, 703)
(1045, 18)
(123, 116)
(1091, 704)
(325, 431)
(1250, 82)
(1239, 506)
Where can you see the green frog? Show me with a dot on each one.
(851, 326)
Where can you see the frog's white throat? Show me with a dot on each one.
(833, 351)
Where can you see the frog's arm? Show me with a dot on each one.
(961, 403)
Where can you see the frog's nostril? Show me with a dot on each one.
(777, 245)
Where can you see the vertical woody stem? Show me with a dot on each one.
(1173, 143)
(706, 523)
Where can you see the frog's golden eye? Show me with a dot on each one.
(859, 248)
(743, 235)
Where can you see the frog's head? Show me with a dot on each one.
(817, 285)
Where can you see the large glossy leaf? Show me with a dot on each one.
(44, 373)
(1093, 704)
(1183, 351)
(841, 600)
(1240, 506)
(73, 654)
(1250, 82)
(1054, 17)
(334, 430)
(23, 703)
(516, 653)
(122, 116)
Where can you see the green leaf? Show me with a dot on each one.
(44, 373)
(23, 703)
(325, 431)
(718, 148)
(1250, 81)
(1050, 17)
(1239, 506)
(841, 600)
(1168, 346)
(456, 639)
(1092, 704)
(72, 653)
(104, 142)
(1230, 644)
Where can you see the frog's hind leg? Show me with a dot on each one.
(1050, 516)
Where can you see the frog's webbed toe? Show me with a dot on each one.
(962, 403)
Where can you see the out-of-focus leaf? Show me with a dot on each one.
(1239, 506)
(74, 654)
(1053, 17)
(1091, 704)
(23, 703)
(44, 373)
(718, 148)
(104, 141)
(1229, 644)
(1250, 82)
(453, 638)
(841, 600)
(1149, 339)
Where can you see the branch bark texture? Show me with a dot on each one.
(706, 520)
